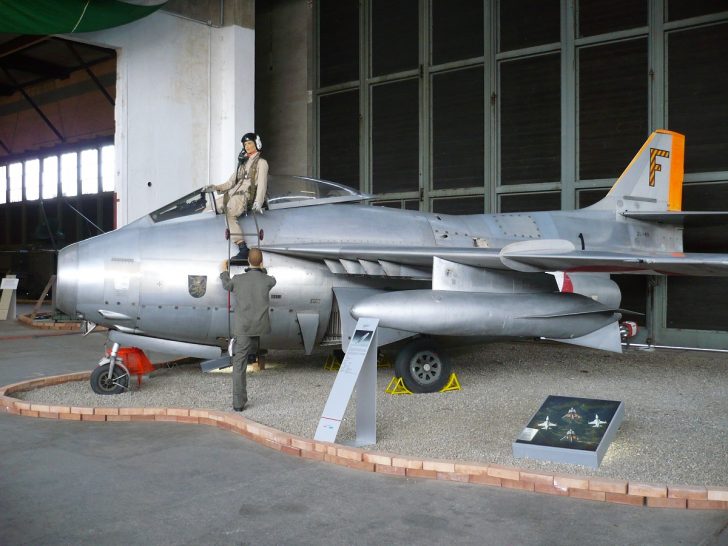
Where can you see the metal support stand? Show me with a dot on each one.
(359, 369)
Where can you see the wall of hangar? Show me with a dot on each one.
(486, 106)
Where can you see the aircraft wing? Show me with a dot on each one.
(406, 255)
(373, 259)
(707, 265)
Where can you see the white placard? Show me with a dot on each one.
(9, 283)
(8, 297)
(361, 353)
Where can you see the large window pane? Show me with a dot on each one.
(596, 18)
(339, 138)
(691, 300)
(612, 107)
(69, 174)
(457, 27)
(15, 181)
(530, 120)
(530, 202)
(458, 129)
(395, 137)
(89, 171)
(3, 184)
(88, 206)
(680, 9)
(108, 161)
(589, 197)
(697, 96)
(50, 177)
(15, 218)
(394, 36)
(389, 204)
(705, 197)
(634, 296)
(459, 205)
(32, 179)
(338, 41)
(526, 23)
(108, 208)
(691, 303)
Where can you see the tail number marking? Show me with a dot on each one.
(654, 165)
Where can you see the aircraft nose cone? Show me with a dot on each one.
(67, 280)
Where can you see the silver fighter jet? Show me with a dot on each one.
(429, 278)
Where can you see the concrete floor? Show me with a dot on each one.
(159, 483)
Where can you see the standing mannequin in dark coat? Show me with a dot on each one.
(251, 291)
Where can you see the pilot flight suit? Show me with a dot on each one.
(245, 187)
(251, 291)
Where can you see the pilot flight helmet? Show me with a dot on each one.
(253, 138)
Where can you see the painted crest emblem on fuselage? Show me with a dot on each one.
(197, 285)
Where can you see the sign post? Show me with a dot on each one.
(359, 369)
(8, 300)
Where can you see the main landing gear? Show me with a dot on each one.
(422, 366)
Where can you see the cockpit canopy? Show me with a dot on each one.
(284, 191)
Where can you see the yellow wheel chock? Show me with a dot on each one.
(332, 363)
(397, 386)
(452, 385)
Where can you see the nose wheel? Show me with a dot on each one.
(111, 376)
(103, 383)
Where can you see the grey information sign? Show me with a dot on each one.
(570, 430)
(9, 283)
(8, 298)
(359, 369)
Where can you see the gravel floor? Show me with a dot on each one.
(675, 429)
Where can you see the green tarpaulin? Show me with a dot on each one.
(68, 16)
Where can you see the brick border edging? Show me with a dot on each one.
(69, 326)
(596, 489)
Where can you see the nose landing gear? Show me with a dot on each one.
(111, 376)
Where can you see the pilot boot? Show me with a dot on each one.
(242, 255)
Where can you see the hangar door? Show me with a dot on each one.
(470, 106)
(56, 151)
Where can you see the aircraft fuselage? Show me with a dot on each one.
(162, 279)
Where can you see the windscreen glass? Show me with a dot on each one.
(287, 191)
(193, 203)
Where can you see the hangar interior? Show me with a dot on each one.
(457, 107)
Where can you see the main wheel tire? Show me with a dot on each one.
(422, 366)
(101, 384)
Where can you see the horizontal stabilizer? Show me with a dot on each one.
(687, 219)
(606, 338)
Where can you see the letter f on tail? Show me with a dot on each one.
(653, 179)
